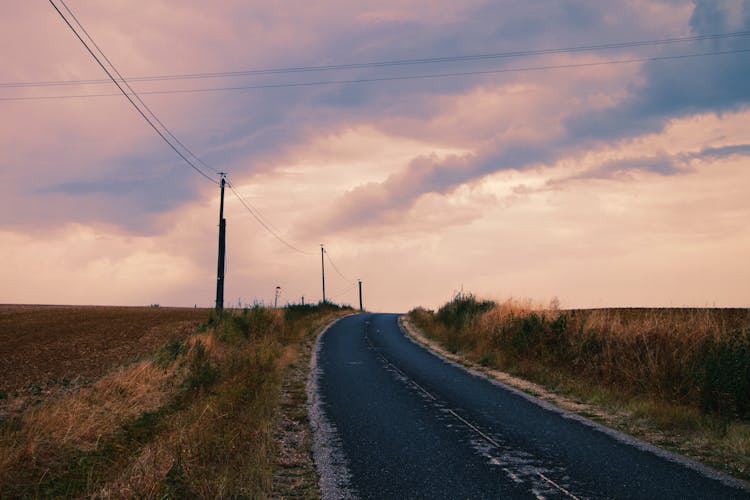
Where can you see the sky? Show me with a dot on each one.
(494, 147)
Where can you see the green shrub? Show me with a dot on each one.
(261, 321)
(293, 311)
(532, 333)
(486, 359)
(214, 318)
(167, 353)
(176, 481)
(674, 354)
(201, 373)
(253, 322)
(461, 310)
(34, 389)
(725, 377)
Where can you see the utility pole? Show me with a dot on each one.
(360, 295)
(222, 248)
(323, 270)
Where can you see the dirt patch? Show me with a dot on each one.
(49, 348)
(295, 475)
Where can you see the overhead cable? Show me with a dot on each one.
(336, 268)
(402, 62)
(265, 225)
(127, 84)
(393, 78)
(124, 92)
(342, 292)
(135, 97)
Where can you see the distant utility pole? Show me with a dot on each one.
(276, 297)
(360, 295)
(323, 270)
(222, 248)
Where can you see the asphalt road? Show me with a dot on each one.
(393, 420)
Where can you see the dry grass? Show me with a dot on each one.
(678, 377)
(227, 443)
(664, 352)
(83, 423)
(197, 417)
(217, 446)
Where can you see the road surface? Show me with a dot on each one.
(393, 420)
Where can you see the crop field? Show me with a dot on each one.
(44, 348)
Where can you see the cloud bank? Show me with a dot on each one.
(514, 165)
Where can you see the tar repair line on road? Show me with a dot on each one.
(476, 429)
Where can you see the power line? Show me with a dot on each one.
(126, 94)
(156, 119)
(402, 62)
(124, 81)
(263, 223)
(343, 291)
(260, 214)
(336, 268)
(393, 78)
(122, 78)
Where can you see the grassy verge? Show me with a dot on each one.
(675, 377)
(199, 417)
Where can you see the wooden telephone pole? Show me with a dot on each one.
(323, 271)
(222, 249)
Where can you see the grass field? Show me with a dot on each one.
(156, 402)
(679, 377)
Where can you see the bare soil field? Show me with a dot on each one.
(46, 346)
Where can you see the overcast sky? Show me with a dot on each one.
(604, 176)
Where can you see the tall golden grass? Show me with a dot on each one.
(676, 377)
(691, 355)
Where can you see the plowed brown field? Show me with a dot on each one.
(44, 346)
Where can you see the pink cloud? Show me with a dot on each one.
(399, 178)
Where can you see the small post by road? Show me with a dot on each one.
(360, 295)
(222, 249)
(323, 271)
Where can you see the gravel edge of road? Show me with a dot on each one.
(330, 461)
(412, 333)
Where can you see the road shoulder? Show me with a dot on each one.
(330, 461)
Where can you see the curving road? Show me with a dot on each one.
(393, 420)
